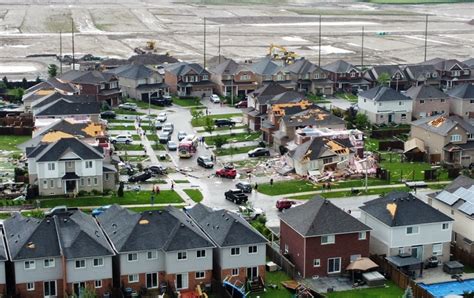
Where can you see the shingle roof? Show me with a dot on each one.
(66, 107)
(45, 100)
(182, 68)
(339, 66)
(319, 217)
(86, 77)
(3, 251)
(228, 67)
(167, 230)
(54, 151)
(418, 71)
(152, 59)
(446, 65)
(302, 66)
(382, 93)
(408, 210)
(425, 92)
(316, 117)
(459, 194)
(314, 148)
(267, 92)
(134, 71)
(391, 70)
(265, 66)
(442, 125)
(287, 97)
(469, 62)
(225, 228)
(462, 91)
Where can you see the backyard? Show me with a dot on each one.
(9, 143)
(274, 278)
(391, 290)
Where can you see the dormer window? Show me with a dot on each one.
(353, 74)
(205, 77)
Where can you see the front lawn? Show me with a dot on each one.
(142, 104)
(194, 194)
(202, 120)
(9, 143)
(234, 150)
(127, 112)
(238, 137)
(122, 127)
(286, 187)
(391, 290)
(347, 96)
(129, 198)
(187, 102)
(130, 147)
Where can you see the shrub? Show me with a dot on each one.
(120, 190)
(219, 140)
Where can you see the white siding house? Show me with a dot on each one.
(383, 105)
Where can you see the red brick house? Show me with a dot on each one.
(346, 77)
(321, 239)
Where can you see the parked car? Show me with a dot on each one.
(128, 106)
(205, 162)
(156, 169)
(214, 98)
(164, 137)
(163, 101)
(223, 122)
(162, 117)
(241, 104)
(284, 204)
(158, 125)
(121, 139)
(168, 127)
(249, 213)
(100, 210)
(140, 177)
(172, 146)
(236, 196)
(108, 115)
(59, 210)
(259, 152)
(181, 135)
(227, 172)
(244, 186)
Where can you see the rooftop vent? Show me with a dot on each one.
(182, 224)
(143, 222)
(97, 233)
(30, 245)
(65, 220)
(114, 225)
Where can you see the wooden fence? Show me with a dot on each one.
(399, 278)
(462, 255)
(286, 265)
(388, 133)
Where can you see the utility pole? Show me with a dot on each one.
(72, 35)
(319, 53)
(362, 53)
(426, 35)
(204, 43)
(60, 52)
(219, 45)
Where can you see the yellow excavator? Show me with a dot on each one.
(278, 52)
(150, 45)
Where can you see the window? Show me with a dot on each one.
(422, 101)
(51, 183)
(133, 278)
(456, 138)
(399, 103)
(286, 248)
(279, 77)
(404, 116)
(132, 257)
(201, 253)
(445, 226)
(355, 257)
(113, 85)
(380, 104)
(471, 101)
(412, 230)
(51, 166)
(102, 86)
(106, 177)
(316, 263)
(49, 288)
(306, 76)
(362, 235)
(438, 249)
(434, 74)
(89, 181)
(443, 100)
(353, 74)
(205, 77)
(82, 181)
(244, 77)
(80, 264)
(200, 275)
(29, 265)
(96, 181)
(182, 255)
(45, 184)
(30, 286)
(253, 249)
(88, 164)
(316, 76)
(235, 272)
(98, 262)
(151, 280)
(152, 255)
(327, 160)
(235, 251)
(69, 164)
(98, 284)
(329, 239)
(334, 265)
(365, 99)
(456, 73)
(48, 263)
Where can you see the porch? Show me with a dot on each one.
(70, 183)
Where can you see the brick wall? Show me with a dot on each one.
(21, 290)
(90, 284)
(192, 281)
(171, 80)
(295, 244)
(242, 277)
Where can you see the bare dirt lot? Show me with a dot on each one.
(115, 28)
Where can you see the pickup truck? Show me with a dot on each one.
(58, 210)
(227, 173)
(223, 122)
(249, 213)
(236, 196)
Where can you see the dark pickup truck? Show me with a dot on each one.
(237, 196)
(223, 122)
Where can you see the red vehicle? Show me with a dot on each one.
(241, 104)
(186, 149)
(227, 172)
(284, 204)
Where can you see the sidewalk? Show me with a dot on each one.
(223, 132)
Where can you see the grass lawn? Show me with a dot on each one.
(407, 170)
(181, 181)
(157, 146)
(238, 137)
(187, 102)
(275, 278)
(142, 104)
(120, 121)
(371, 144)
(135, 158)
(143, 209)
(390, 291)
(9, 142)
(127, 112)
(231, 151)
(202, 121)
(286, 187)
(347, 96)
(129, 198)
(223, 128)
(130, 147)
(194, 194)
(317, 99)
(122, 127)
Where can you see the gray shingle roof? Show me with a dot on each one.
(382, 93)
(462, 91)
(287, 97)
(93, 77)
(45, 100)
(134, 71)
(418, 71)
(265, 66)
(316, 116)
(319, 217)
(268, 92)
(182, 68)
(339, 66)
(443, 124)
(3, 251)
(391, 70)
(314, 148)
(409, 210)
(152, 59)
(167, 230)
(65, 107)
(469, 62)
(425, 92)
(302, 66)
(54, 151)
(228, 67)
(225, 228)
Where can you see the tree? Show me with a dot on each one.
(52, 70)
(24, 83)
(16, 94)
(196, 114)
(361, 121)
(408, 293)
(209, 125)
(5, 81)
(38, 80)
(120, 190)
(219, 140)
(338, 112)
(384, 79)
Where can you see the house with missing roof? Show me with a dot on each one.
(65, 108)
(240, 250)
(456, 200)
(46, 88)
(428, 101)
(68, 166)
(188, 79)
(404, 225)
(58, 256)
(321, 239)
(159, 246)
(384, 105)
(461, 101)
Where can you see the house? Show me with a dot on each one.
(422, 74)
(461, 101)
(68, 166)
(451, 72)
(396, 76)
(112, 63)
(269, 71)
(155, 247)
(46, 88)
(446, 139)
(456, 200)
(383, 105)
(240, 250)
(152, 60)
(140, 82)
(321, 239)
(188, 79)
(3, 260)
(403, 224)
(310, 78)
(66, 108)
(102, 85)
(428, 101)
(233, 79)
(346, 76)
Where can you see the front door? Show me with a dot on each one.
(181, 281)
(252, 273)
(49, 288)
(78, 288)
(151, 280)
(390, 118)
(417, 252)
(70, 185)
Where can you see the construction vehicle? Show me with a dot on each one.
(149, 47)
(281, 53)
